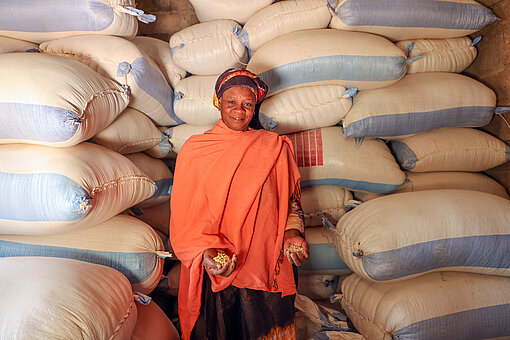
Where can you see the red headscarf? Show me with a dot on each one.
(239, 77)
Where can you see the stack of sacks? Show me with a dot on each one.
(393, 244)
(238, 10)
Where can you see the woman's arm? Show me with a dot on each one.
(294, 233)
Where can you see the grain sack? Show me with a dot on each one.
(409, 234)
(159, 173)
(49, 190)
(237, 10)
(208, 48)
(325, 200)
(163, 149)
(420, 102)
(47, 20)
(326, 56)
(121, 60)
(317, 287)
(417, 181)
(9, 45)
(325, 156)
(439, 55)
(153, 324)
(178, 135)
(193, 100)
(305, 108)
(323, 259)
(446, 305)
(170, 283)
(159, 51)
(131, 132)
(122, 243)
(62, 299)
(54, 101)
(158, 217)
(281, 18)
(450, 149)
(409, 19)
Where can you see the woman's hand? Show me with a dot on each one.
(293, 237)
(216, 268)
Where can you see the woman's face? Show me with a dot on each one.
(237, 105)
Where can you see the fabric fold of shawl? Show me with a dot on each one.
(231, 190)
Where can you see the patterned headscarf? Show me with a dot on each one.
(239, 77)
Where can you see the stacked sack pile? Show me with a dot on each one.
(371, 96)
(71, 110)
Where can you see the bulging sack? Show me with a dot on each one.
(325, 200)
(328, 56)
(194, 100)
(237, 10)
(450, 149)
(9, 45)
(178, 135)
(281, 18)
(400, 236)
(323, 259)
(420, 102)
(152, 323)
(159, 173)
(208, 48)
(439, 55)
(122, 61)
(54, 19)
(409, 19)
(158, 217)
(122, 243)
(325, 156)
(131, 132)
(163, 149)
(305, 108)
(64, 299)
(50, 190)
(55, 101)
(159, 51)
(317, 287)
(389, 311)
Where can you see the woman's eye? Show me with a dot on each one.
(248, 104)
(231, 102)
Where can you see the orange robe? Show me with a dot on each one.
(231, 190)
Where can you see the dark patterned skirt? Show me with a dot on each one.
(242, 313)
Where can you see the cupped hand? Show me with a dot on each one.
(293, 237)
(216, 268)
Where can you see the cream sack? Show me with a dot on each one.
(281, 18)
(121, 60)
(178, 135)
(420, 102)
(317, 287)
(122, 243)
(305, 108)
(327, 56)
(409, 234)
(193, 100)
(40, 21)
(152, 323)
(452, 306)
(54, 101)
(417, 181)
(163, 149)
(208, 48)
(131, 132)
(439, 55)
(325, 156)
(52, 298)
(49, 190)
(9, 45)
(330, 201)
(158, 217)
(409, 19)
(323, 259)
(237, 10)
(159, 173)
(159, 51)
(450, 149)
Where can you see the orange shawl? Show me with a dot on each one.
(231, 190)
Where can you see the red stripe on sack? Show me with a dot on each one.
(318, 137)
(306, 151)
(313, 148)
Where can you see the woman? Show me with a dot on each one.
(236, 192)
